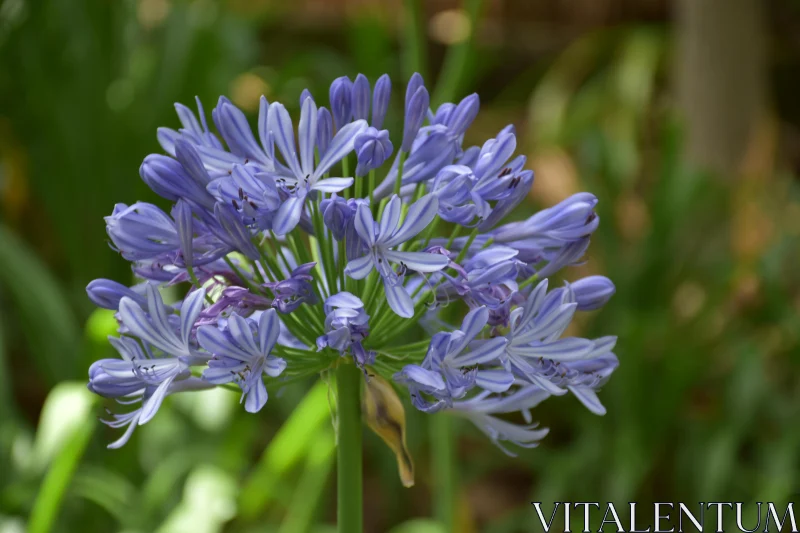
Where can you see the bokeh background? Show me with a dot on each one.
(682, 116)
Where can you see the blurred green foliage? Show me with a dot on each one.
(703, 407)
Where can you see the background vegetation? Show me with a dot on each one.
(682, 117)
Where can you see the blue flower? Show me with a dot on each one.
(300, 176)
(536, 352)
(458, 368)
(253, 194)
(232, 191)
(150, 398)
(341, 98)
(233, 300)
(144, 233)
(380, 100)
(417, 102)
(235, 131)
(456, 119)
(140, 375)
(458, 202)
(380, 241)
(592, 292)
(324, 130)
(346, 324)
(193, 131)
(294, 291)
(372, 148)
(107, 294)
(242, 353)
(176, 179)
(487, 279)
(482, 408)
(360, 93)
(159, 328)
(230, 229)
(568, 221)
(339, 215)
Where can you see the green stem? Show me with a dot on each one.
(453, 236)
(196, 282)
(349, 467)
(463, 253)
(399, 179)
(443, 457)
(372, 191)
(415, 56)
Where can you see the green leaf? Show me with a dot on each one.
(209, 500)
(50, 325)
(65, 410)
(285, 450)
(57, 480)
(311, 486)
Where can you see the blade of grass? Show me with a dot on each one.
(41, 306)
(416, 49)
(57, 480)
(300, 516)
(287, 448)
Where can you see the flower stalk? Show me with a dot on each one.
(349, 463)
(443, 460)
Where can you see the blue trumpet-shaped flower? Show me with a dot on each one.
(372, 148)
(149, 397)
(568, 221)
(482, 410)
(535, 349)
(140, 373)
(381, 239)
(459, 203)
(144, 233)
(300, 175)
(294, 291)
(347, 325)
(592, 292)
(489, 278)
(242, 354)
(460, 362)
(107, 294)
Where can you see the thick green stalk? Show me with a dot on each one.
(443, 455)
(349, 468)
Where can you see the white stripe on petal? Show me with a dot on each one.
(359, 268)
(341, 145)
(418, 261)
(399, 301)
(280, 126)
(420, 214)
(269, 328)
(332, 184)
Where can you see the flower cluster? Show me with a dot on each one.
(331, 243)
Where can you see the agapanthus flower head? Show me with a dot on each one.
(298, 262)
